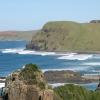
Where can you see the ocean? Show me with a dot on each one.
(13, 56)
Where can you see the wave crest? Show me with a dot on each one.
(76, 57)
(92, 63)
(22, 51)
(25, 52)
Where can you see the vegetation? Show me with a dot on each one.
(29, 72)
(67, 36)
(32, 75)
(75, 92)
(16, 35)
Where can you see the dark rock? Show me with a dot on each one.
(32, 46)
(65, 77)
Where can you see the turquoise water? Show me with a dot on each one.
(13, 57)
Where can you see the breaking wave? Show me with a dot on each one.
(57, 84)
(76, 57)
(53, 85)
(92, 63)
(78, 68)
(22, 51)
(2, 85)
(12, 50)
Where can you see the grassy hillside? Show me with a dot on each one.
(72, 92)
(67, 36)
(17, 35)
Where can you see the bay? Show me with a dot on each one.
(13, 56)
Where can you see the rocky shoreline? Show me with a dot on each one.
(31, 84)
(65, 76)
(68, 77)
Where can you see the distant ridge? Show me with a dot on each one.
(16, 35)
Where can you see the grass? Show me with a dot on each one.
(32, 75)
(72, 92)
(29, 73)
(68, 36)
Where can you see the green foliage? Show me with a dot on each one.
(31, 67)
(68, 36)
(72, 92)
(29, 72)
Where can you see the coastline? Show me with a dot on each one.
(91, 81)
(67, 51)
(37, 52)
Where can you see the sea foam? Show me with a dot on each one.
(2, 85)
(53, 85)
(12, 50)
(78, 68)
(22, 51)
(76, 57)
(92, 63)
(25, 52)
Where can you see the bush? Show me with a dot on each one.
(29, 72)
(73, 92)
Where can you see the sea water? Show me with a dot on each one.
(13, 56)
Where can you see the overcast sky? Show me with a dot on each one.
(32, 14)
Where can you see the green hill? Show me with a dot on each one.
(75, 92)
(67, 36)
(16, 35)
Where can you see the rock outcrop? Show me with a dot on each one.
(28, 84)
(66, 77)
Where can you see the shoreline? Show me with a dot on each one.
(87, 82)
(68, 76)
(43, 53)
(65, 52)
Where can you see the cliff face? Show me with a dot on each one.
(67, 36)
(28, 92)
(28, 84)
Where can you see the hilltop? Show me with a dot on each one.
(67, 36)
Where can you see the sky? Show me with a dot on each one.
(33, 14)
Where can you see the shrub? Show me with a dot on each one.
(29, 72)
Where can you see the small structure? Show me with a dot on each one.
(95, 21)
